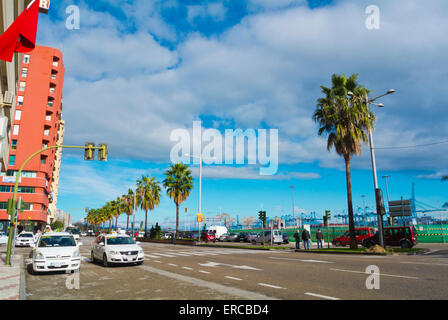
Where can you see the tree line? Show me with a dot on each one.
(178, 184)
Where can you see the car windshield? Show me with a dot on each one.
(119, 240)
(26, 235)
(73, 231)
(57, 241)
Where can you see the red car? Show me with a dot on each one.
(405, 237)
(208, 236)
(360, 234)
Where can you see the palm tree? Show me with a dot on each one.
(148, 195)
(345, 120)
(178, 184)
(117, 210)
(128, 205)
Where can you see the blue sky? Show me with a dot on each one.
(137, 70)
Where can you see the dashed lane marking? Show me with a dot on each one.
(233, 278)
(321, 296)
(269, 285)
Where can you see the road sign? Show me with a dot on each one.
(400, 208)
(199, 217)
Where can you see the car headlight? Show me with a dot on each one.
(76, 254)
(39, 255)
(140, 251)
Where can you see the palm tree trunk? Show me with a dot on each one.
(146, 221)
(110, 225)
(127, 224)
(351, 222)
(116, 223)
(177, 219)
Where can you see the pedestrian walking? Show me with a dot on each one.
(319, 237)
(306, 239)
(297, 237)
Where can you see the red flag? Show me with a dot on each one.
(21, 35)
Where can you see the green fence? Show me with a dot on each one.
(425, 233)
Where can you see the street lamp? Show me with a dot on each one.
(369, 101)
(200, 157)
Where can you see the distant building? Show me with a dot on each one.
(36, 124)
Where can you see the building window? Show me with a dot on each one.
(14, 144)
(22, 86)
(50, 103)
(43, 159)
(45, 145)
(18, 115)
(12, 160)
(15, 130)
(52, 89)
(26, 190)
(46, 132)
(48, 117)
(24, 72)
(53, 76)
(20, 100)
(26, 58)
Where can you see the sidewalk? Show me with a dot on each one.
(10, 278)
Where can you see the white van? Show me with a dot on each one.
(277, 238)
(218, 230)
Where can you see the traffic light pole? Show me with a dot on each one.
(16, 185)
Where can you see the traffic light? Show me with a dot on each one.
(262, 217)
(89, 154)
(327, 217)
(102, 153)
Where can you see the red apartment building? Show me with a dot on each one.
(36, 125)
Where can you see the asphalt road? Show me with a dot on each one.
(177, 272)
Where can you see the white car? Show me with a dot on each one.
(25, 239)
(3, 238)
(116, 249)
(56, 251)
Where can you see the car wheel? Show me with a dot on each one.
(338, 244)
(105, 262)
(139, 263)
(405, 244)
(370, 244)
(92, 257)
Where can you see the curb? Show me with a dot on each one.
(339, 252)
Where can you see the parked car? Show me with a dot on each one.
(25, 239)
(223, 237)
(3, 238)
(405, 237)
(83, 234)
(252, 236)
(218, 230)
(56, 251)
(243, 237)
(208, 236)
(275, 234)
(285, 238)
(360, 234)
(116, 249)
(232, 237)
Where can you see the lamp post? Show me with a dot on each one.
(368, 101)
(200, 157)
(292, 194)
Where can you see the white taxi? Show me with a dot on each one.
(56, 251)
(25, 239)
(116, 248)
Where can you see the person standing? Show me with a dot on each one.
(306, 239)
(319, 237)
(297, 237)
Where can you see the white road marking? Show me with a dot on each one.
(269, 285)
(163, 255)
(308, 260)
(321, 296)
(187, 268)
(157, 261)
(431, 251)
(216, 264)
(151, 256)
(432, 264)
(380, 274)
(233, 278)
(172, 264)
(206, 272)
